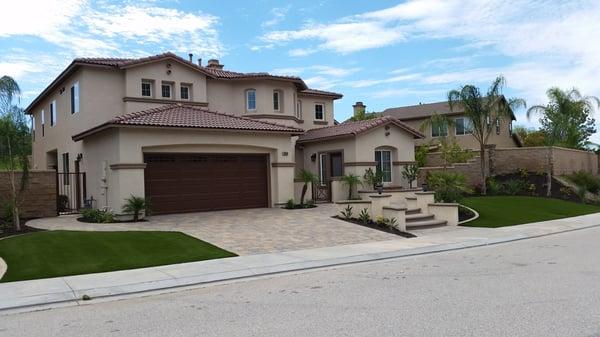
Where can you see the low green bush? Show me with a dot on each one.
(585, 180)
(514, 186)
(97, 216)
(290, 204)
(448, 186)
(493, 186)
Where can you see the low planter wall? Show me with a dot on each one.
(39, 196)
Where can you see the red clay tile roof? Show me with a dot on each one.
(354, 128)
(186, 116)
(422, 111)
(315, 92)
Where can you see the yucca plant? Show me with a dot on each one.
(135, 205)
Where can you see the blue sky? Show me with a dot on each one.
(384, 53)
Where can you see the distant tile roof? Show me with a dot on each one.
(354, 128)
(315, 92)
(186, 116)
(423, 111)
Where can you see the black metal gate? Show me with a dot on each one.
(70, 192)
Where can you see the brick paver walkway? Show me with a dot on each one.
(248, 231)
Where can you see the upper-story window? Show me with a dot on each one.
(33, 128)
(185, 91)
(463, 126)
(75, 98)
(299, 109)
(250, 99)
(497, 125)
(510, 128)
(53, 113)
(43, 119)
(277, 100)
(319, 112)
(166, 89)
(146, 88)
(439, 130)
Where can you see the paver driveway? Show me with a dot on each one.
(248, 231)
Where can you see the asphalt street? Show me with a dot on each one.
(548, 286)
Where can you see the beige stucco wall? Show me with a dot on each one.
(504, 139)
(308, 111)
(359, 151)
(127, 146)
(100, 95)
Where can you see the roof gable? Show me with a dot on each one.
(350, 129)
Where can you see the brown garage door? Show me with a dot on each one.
(177, 183)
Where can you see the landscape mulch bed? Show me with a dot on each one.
(539, 180)
(378, 227)
(300, 207)
(464, 214)
(9, 230)
(82, 219)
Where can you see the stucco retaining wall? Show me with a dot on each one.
(39, 197)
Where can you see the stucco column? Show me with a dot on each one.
(424, 199)
(378, 201)
(282, 181)
(128, 180)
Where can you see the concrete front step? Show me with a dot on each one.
(425, 224)
(413, 211)
(416, 217)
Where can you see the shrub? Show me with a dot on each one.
(364, 216)
(410, 173)
(351, 181)
(448, 186)
(493, 186)
(97, 216)
(135, 205)
(421, 155)
(514, 186)
(347, 212)
(63, 203)
(372, 178)
(585, 180)
(290, 204)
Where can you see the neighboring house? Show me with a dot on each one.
(194, 138)
(414, 115)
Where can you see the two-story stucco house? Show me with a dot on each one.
(192, 138)
(415, 115)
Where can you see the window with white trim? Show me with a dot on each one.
(146, 88)
(463, 126)
(75, 98)
(439, 130)
(251, 99)
(53, 113)
(497, 125)
(166, 89)
(383, 160)
(319, 112)
(322, 168)
(43, 121)
(299, 109)
(277, 100)
(33, 128)
(185, 92)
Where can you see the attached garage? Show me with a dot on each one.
(177, 183)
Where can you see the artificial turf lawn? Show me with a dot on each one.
(61, 253)
(500, 211)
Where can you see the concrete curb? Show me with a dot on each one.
(65, 291)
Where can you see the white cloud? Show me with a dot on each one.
(302, 52)
(278, 14)
(320, 76)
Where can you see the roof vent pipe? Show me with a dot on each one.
(191, 57)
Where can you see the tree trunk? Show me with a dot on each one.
(549, 173)
(304, 188)
(349, 192)
(13, 189)
(483, 175)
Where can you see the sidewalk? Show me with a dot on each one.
(60, 291)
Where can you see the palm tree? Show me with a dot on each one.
(482, 111)
(307, 177)
(351, 180)
(13, 151)
(565, 121)
(135, 205)
(9, 89)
